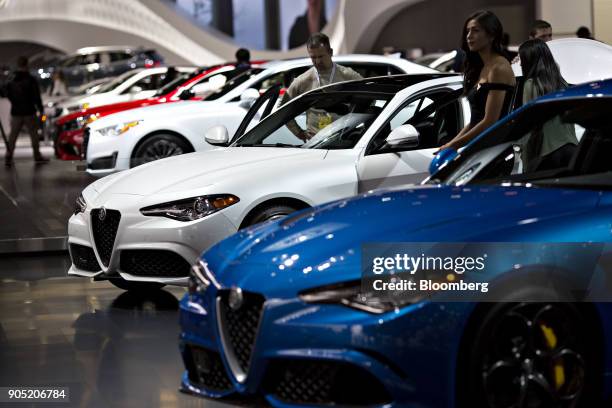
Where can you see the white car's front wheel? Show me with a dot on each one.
(270, 213)
(159, 146)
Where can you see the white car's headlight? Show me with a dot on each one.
(80, 205)
(119, 129)
(191, 209)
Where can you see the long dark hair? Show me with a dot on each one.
(473, 63)
(539, 65)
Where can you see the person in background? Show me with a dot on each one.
(488, 80)
(323, 72)
(58, 87)
(305, 25)
(584, 32)
(552, 146)
(541, 30)
(243, 59)
(26, 107)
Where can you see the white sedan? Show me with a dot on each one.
(145, 226)
(149, 223)
(126, 139)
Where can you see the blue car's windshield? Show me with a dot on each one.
(556, 140)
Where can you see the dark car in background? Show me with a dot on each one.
(91, 63)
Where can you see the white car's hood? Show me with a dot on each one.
(169, 111)
(198, 170)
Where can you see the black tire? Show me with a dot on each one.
(132, 286)
(158, 147)
(543, 354)
(270, 213)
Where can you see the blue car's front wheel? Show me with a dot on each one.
(523, 355)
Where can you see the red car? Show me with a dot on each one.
(69, 128)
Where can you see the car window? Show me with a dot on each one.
(149, 83)
(336, 121)
(435, 116)
(236, 81)
(550, 141)
(119, 56)
(368, 70)
(104, 58)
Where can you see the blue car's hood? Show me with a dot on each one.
(322, 246)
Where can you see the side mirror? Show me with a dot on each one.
(440, 159)
(248, 98)
(217, 136)
(186, 94)
(135, 89)
(403, 136)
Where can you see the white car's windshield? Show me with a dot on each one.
(109, 86)
(330, 121)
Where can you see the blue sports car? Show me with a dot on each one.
(285, 312)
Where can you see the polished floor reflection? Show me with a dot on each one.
(111, 348)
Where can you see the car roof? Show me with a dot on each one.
(599, 89)
(365, 58)
(391, 84)
(102, 48)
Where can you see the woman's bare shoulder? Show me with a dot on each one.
(501, 72)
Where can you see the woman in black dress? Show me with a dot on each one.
(488, 78)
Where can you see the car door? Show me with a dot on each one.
(436, 114)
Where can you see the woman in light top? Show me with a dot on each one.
(553, 145)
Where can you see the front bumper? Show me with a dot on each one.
(107, 155)
(143, 246)
(390, 360)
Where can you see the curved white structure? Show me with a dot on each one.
(68, 25)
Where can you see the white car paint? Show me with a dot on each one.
(256, 175)
(191, 119)
(121, 91)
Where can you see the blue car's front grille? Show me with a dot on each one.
(317, 382)
(205, 369)
(239, 325)
(104, 226)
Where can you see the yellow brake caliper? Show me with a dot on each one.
(551, 342)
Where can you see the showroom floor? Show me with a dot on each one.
(111, 348)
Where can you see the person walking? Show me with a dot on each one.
(323, 72)
(488, 80)
(553, 145)
(26, 107)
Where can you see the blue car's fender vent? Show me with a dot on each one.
(239, 326)
(322, 382)
(84, 258)
(104, 225)
(205, 369)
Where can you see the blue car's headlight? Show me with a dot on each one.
(351, 294)
(191, 209)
